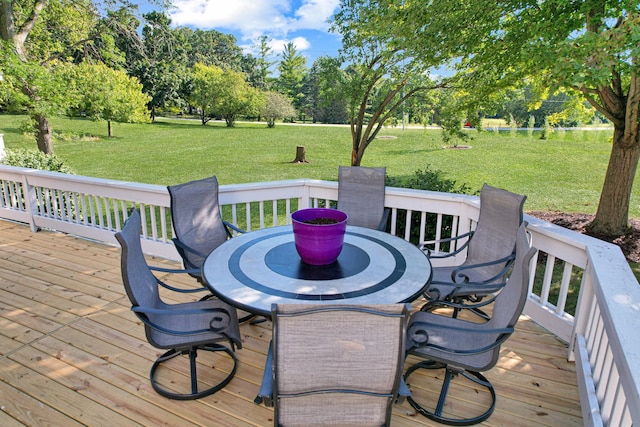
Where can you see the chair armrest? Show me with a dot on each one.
(179, 290)
(430, 254)
(458, 272)
(265, 394)
(230, 227)
(418, 337)
(218, 323)
(175, 270)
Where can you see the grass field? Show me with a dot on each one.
(564, 172)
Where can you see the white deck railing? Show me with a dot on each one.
(602, 331)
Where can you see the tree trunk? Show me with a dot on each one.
(612, 216)
(301, 152)
(109, 128)
(43, 134)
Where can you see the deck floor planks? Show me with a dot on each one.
(98, 360)
(22, 409)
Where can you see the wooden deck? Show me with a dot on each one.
(72, 353)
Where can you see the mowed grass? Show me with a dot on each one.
(564, 172)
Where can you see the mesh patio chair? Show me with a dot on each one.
(466, 348)
(334, 365)
(198, 226)
(361, 195)
(490, 254)
(183, 328)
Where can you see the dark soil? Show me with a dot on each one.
(321, 221)
(629, 243)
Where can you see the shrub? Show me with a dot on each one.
(432, 180)
(36, 160)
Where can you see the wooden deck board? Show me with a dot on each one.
(72, 353)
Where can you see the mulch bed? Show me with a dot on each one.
(629, 243)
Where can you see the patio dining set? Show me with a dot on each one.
(341, 331)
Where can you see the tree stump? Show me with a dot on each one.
(301, 152)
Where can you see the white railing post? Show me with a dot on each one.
(31, 202)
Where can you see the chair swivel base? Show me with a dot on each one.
(192, 352)
(436, 415)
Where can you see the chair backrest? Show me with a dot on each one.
(361, 195)
(510, 302)
(197, 220)
(140, 284)
(495, 234)
(337, 364)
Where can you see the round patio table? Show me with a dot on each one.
(259, 268)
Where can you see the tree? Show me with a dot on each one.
(212, 48)
(30, 55)
(108, 94)
(276, 106)
(376, 81)
(41, 91)
(234, 97)
(589, 46)
(162, 65)
(206, 82)
(262, 79)
(292, 70)
(40, 39)
(324, 100)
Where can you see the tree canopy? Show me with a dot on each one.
(588, 46)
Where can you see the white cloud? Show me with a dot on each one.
(254, 17)
(277, 45)
(251, 19)
(246, 16)
(313, 14)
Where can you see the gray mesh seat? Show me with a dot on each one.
(197, 222)
(361, 195)
(466, 348)
(335, 365)
(183, 328)
(490, 253)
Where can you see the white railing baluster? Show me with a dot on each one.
(261, 213)
(438, 236)
(407, 225)
(248, 215)
(546, 281)
(274, 209)
(394, 220)
(234, 214)
(154, 227)
(564, 288)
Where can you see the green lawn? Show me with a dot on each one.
(562, 173)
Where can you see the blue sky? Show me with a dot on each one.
(304, 22)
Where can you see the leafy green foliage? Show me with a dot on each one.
(36, 160)
(277, 106)
(206, 80)
(292, 69)
(108, 94)
(433, 180)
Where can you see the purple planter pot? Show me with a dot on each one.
(318, 244)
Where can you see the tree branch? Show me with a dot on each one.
(23, 32)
